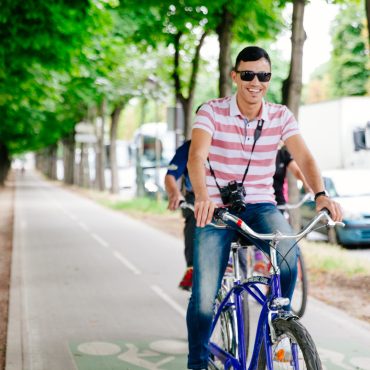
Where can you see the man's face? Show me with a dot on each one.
(251, 92)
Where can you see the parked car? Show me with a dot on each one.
(351, 189)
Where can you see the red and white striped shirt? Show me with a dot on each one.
(232, 141)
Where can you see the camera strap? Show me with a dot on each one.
(257, 134)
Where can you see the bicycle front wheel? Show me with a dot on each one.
(299, 300)
(294, 348)
(225, 332)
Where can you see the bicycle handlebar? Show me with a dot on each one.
(224, 215)
(185, 205)
(287, 206)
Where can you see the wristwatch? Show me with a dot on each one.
(320, 193)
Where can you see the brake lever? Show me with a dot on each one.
(330, 222)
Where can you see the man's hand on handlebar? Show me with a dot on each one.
(203, 211)
(334, 208)
(174, 200)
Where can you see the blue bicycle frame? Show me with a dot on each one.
(271, 308)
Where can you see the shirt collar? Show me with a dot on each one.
(235, 111)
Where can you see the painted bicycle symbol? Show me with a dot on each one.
(156, 355)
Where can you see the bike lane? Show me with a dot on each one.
(92, 289)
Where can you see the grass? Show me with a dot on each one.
(142, 205)
(333, 258)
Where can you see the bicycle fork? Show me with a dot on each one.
(275, 307)
(238, 309)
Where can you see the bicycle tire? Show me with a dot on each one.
(225, 333)
(299, 301)
(227, 284)
(294, 331)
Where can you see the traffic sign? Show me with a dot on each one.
(85, 138)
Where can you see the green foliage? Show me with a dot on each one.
(350, 66)
(138, 205)
(39, 43)
(60, 59)
(280, 70)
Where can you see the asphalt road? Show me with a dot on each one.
(93, 289)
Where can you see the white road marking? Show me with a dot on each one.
(100, 240)
(83, 226)
(99, 348)
(127, 263)
(67, 213)
(178, 308)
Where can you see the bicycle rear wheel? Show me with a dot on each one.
(294, 348)
(299, 300)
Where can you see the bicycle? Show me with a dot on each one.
(281, 341)
(258, 263)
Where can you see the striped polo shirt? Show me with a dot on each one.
(231, 146)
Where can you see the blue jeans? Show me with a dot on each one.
(211, 253)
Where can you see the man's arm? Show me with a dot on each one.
(199, 148)
(297, 173)
(173, 191)
(299, 151)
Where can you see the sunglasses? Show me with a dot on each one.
(249, 76)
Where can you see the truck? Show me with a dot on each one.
(332, 130)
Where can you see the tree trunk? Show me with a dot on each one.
(367, 10)
(113, 150)
(69, 159)
(100, 153)
(84, 169)
(51, 153)
(186, 102)
(224, 61)
(4, 163)
(292, 88)
(187, 108)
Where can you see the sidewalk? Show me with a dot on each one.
(6, 236)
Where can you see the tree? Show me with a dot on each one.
(367, 11)
(246, 21)
(317, 89)
(35, 56)
(185, 25)
(292, 88)
(349, 72)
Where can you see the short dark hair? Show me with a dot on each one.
(250, 54)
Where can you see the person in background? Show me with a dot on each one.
(178, 170)
(284, 162)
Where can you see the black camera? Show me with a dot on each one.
(233, 195)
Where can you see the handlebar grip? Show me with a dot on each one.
(219, 212)
(332, 223)
(325, 210)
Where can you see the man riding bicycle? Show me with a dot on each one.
(232, 163)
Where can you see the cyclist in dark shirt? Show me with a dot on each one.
(284, 162)
(178, 170)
